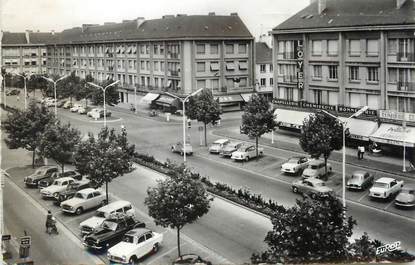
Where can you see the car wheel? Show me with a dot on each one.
(133, 260)
(55, 195)
(155, 248)
(247, 158)
(313, 196)
(79, 211)
(261, 153)
(295, 189)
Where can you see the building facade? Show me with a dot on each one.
(179, 54)
(348, 53)
(264, 72)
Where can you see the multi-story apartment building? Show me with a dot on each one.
(179, 54)
(264, 72)
(24, 52)
(348, 52)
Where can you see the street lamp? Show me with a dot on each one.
(54, 89)
(103, 91)
(25, 78)
(344, 123)
(183, 100)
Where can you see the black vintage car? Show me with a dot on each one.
(70, 191)
(111, 232)
(46, 182)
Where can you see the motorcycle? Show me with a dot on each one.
(132, 108)
(51, 227)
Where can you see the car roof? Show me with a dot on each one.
(87, 190)
(65, 178)
(221, 141)
(316, 162)
(385, 180)
(138, 231)
(297, 157)
(359, 173)
(114, 205)
(314, 180)
(46, 167)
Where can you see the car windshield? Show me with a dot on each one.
(320, 184)
(380, 185)
(128, 239)
(314, 167)
(39, 172)
(100, 214)
(109, 225)
(293, 160)
(56, 182)
(73, 185)
(215, 144)
(357, 177)
(79, 195)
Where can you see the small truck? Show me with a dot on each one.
(385, 188)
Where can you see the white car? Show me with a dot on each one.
(89, 225)
(135, 244)
(75, 108)
(217, 145)
(385, 188)
(316, 169)
(83, 200)
(246, 152)
(295, 165)
(92, 111)
(50, 102)
(57, 186)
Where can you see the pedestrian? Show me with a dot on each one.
(361, 151)
(358, 152)
(18, 98)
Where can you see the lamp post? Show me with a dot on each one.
(54, 89)
(103, 91)
(183, 100)
(4, 90)
(344, 123)
(25, 78)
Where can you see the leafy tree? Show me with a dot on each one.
(258, 118)
(111, 94)
(204, 108)
(108, 157)
(69, 87)
(177, 200)
(59, 142)
(36, 82)
(25, 128)
(85, 91)
(321, 134)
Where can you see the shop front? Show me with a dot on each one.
(230, 102)
(290, 119)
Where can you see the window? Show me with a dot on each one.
(147, 49)
(281, 46)
(354, 73)
(142, 49)
(229, 83)
(141, 239)
(372, 74)
(354, 47)
(200, 49)
(215, 84)
(243, 82)
(318, 96)
(271, 68)
(201, 84)
(214, 48)
(271, 81)
(243, 65)
(262, 82)
(262, 68)
(33, 62)
(333, 72)
(201, 67)
(149, 235)
(156, 66)
(161, 49)
(317, 72)
(147, 65)
(214, 66)
(242, 48)
(162, 66)
(392, 73)
(372, 47)
(230, 66)
(316, 47)
(392, 46)
(142, 65)
(332, 47)
(155, 49)
(229, 49)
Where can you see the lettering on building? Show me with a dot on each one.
(299, 56)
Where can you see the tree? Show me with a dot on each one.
(108, 157)
(36, 82)
(69, 87)
(111, 94)
(204, 108)
(59, 142)
(25, 128)
(85, 91)
(321, 134)
(177, 200)
(258, 118)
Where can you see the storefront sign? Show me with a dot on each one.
(317, 106)
(284, 102)
(299, 56)
(343, 109)
(395, 115)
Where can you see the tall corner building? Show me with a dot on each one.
(178, 54)
(348, 53)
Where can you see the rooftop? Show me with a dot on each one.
(27, 38)
(263, 53)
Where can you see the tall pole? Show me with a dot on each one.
(56, 106)
(184, 130)
(105, 110)
(135, 99)
(404, 145)
(344, 166)
(4, 91)
(25, 93)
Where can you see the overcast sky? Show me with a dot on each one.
(45, 15)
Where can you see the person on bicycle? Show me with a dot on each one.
(49, 220)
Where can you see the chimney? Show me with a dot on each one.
(234, 14)
(399, 3)
(27, 36)
(212, 14)
(321, 6)
(139, 21)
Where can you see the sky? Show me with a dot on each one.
(260, 16)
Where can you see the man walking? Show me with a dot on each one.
(361, 152)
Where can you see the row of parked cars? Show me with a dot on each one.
(238, 151)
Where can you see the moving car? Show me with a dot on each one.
(385, 188)
(178, 148)
(88, 226)
(75, 108)
(111, 231)
(311, 186)
(135, 244)
(49, 180)
(70, 190)
(246, 152)
(360, 180)
(316, 169)
(295, 165)
(83, 200)
(68, 104)
(57, 186)
(228, 149)
(189, 259)
(406, 198)
(217, 145)
(83, 110)
(41, 173)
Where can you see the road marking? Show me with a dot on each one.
(389, 204)
(361, 197)
(164, 254)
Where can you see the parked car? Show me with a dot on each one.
(57, 186)
(178, 148)
(406, 198)
(13, 92)
(46, 99)
(61, 102)
(50, 102)
(75, 108)
(246, 152)
(316, 169)
(111, 231)
(89, 225)
(189, 259)
(217, 145)
(228, 149)
(89, 113)
(360, 180)
(136, 244)
(41, 173)
(295, 165)
(311, 186)
(98, 113)
(70, 190)
(68, 104)
(83, 110)
(83, 200)
(385, 188)
(49, 180)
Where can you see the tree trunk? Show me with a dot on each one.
(63, 167)
(106, 192)
(33, 158)
(178, 242)
(256, 146)
(325, 163)
(205, 135)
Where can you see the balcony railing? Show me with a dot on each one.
(406, 86)
(405, 57)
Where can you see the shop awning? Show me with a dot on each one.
(290, 118)
(360, 129)
(395, 135)
(229, 98)
(149, 97)
(246, 96)
(165, 100)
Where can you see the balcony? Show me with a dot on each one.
(289, 79)
(406, 86)
(171, 55)
(405, 57)
(173, 73)
(288, 55)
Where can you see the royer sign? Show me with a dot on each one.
(299, 56)
(395, 115)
